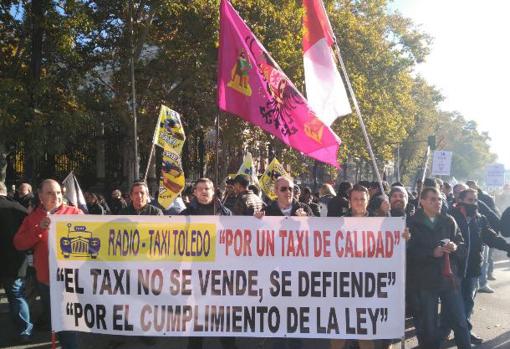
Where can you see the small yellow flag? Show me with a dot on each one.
(273, 171)
(170, 136)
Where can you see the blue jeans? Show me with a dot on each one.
(68, 339)
(18, 306)
(426, 320)
(469, 288)
(485, 267)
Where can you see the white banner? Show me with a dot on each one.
(442, 163)
(495, 175)
(228, 276)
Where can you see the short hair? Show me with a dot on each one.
(344, 187)
(26, 184)
(203, 180)
(284, 177)
(139, 184)
(358, 188)
(243, 180)
(464, 193)
(399, 189)
(425, 192)
(430, 183)
(3, 189)
(447, 186)
(472, 184)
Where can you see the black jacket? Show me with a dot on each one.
(476, 233)
(247, 203)
(273, 210)
(197, 209)
(488, 200)
(505, 223)
(338, 206)
(11, 216)
(424, 239)
(148, 210)
(117, 205)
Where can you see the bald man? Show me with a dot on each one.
(33, 234)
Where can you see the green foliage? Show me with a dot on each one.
(84, 80)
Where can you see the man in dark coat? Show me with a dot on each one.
(247, 202)
(139, 205)
(11, 260)
(285, 205)
(204, 203)
(437, 250)
(476, 231)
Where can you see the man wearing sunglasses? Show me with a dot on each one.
(285, 204)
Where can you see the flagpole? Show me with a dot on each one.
(133, 92)
(152, 151)
(217, 150)
(358, 113)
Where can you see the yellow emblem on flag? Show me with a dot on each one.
(314, 129)
(273, 171)
(170, 136)
(240, 75)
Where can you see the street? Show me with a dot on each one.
(491, 321)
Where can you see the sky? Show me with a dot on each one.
(469, 60)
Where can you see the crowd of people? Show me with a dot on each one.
(451, 232)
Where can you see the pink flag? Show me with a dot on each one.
(325, 90)
(252, 86)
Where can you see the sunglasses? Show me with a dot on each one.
(284, 189)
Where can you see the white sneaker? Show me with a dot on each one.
(486, 289)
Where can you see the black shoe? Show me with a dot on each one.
(475, 339)
(24, 339)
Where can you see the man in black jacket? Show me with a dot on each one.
(437, 250)
(205, 203)
(476, 232)
(285, 205)
(11, 260)
(247, 202)
(139, 205)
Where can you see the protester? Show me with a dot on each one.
(33, 234)
(102, 202)
(339, 205)
(306, 197)
(476, 232)
(117, 202)
(247, 202)
(483, 196)
(205, 203)
(358, 201)
(139, 205)
(24, 194)
(436, 250)
(13, 265)
(326, 193)
(93, 206)
(230, 197)
(285, 205)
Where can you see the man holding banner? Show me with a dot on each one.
(139, 195)
(33, 234)
(204, 203)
